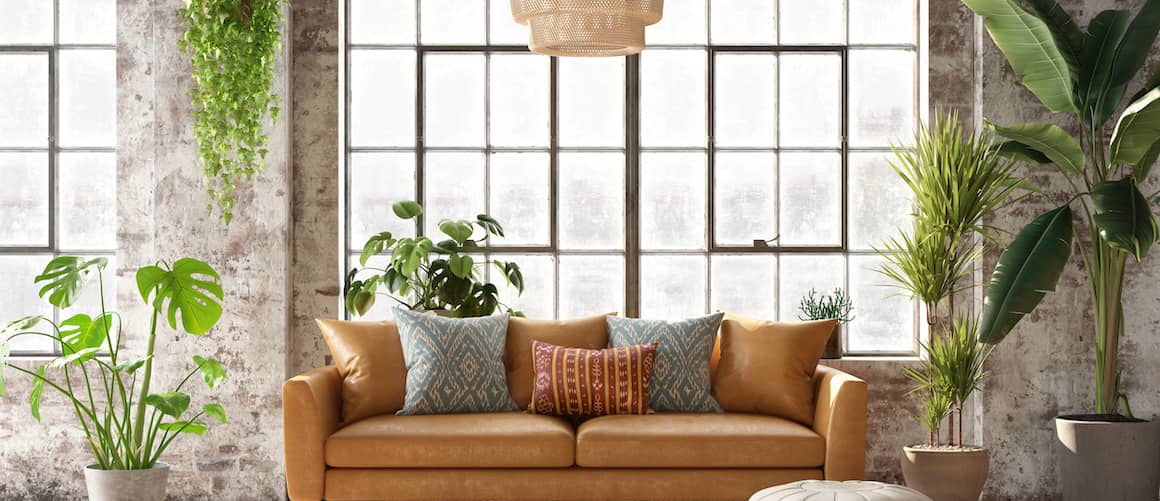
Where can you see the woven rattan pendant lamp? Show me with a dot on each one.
(587, 28)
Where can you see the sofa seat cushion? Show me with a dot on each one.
(491, 440)
(697, 441)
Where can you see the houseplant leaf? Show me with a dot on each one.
(459, 231)
(172, 403)
(131, 366)
(1027, 270)
(1122, 216)
(81, 331)
(1019, 151)
(190, 286)
(1096, 89)
(1048, 139)
(79, 356)
(1137, 130)
(215, 411)
(460, 265)
(37, 391)
(375, 245)
(1136, 43)
(1030, 48)
(184, 427)
(212, 371)
(489, 224)
(407, 209)
(63, 277)
(1068, 36)
(1143, 168)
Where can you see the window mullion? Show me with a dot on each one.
(632, 185)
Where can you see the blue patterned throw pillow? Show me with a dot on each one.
(454, 365)
(681, 376)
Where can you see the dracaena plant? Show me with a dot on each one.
(1085, 74)
(422, 274)
(127, 425)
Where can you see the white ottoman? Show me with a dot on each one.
(825, 490)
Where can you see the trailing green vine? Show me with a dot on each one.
(233, 45)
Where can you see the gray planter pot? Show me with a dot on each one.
(127, 485)
(1108, 460)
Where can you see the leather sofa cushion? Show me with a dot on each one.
(697, 441)
(768, 367)
(492, 440)
(369, 357)
(589, 333)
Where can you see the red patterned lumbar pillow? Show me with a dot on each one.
(580, 382)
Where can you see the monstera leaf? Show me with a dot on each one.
(170, 403)
(81, 331)
(1123, 217)
(1027, 270)
(64, 276)
(190, 287)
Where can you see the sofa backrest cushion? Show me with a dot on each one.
(589, 333)
(369, 357)
(768, 367)
(681, 380)
(580, 382)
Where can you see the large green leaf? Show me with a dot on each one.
(81, 331)
(1137, 130)
(172, 403)
(1019, 151)
(458, 230)
(375, 245)
(407, 209)
(215, 411)
(1030, 48)
(1097, 92)
(212, 371)
(1144, 167)
(64, 276)
(460, 265)
(1069, 37)
(1027, 270)
(1048, 139)
(190, 286)
(1137, 41)
(410, 253)
(1123, 217)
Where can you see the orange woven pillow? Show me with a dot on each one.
(580, 382)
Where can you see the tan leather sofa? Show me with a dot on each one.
(523, 456)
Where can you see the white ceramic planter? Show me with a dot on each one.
(1108, 461)
(127, 485)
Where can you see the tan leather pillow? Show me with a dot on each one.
(768, 367)
(589, 333)
(369, 357)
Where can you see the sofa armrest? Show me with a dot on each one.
(840, 418)
(311, 403)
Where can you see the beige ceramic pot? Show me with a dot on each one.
(127, 485)
(946, 474)
(1108, 460)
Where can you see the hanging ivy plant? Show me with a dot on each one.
(233, 45)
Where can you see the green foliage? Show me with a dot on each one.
(1106, 176)
(233, 45)
(836, 305)
(951, 372)
(421, 274)
(109, 401)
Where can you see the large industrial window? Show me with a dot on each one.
(57, 147)
(736, 163)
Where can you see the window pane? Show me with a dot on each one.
(802, 272)
(520, 198)
(745, 95)
(538, 299)
(683, 23)
(25, 22)
(18, 299)
(882, 21)
(454, 99)
(885, 318)
(882, 97)
(88, 201)
(24, 199)
(88, 21)
(879, 200)
(88, 93)
(520, 100)
(811, 198)
(24, 109)
(452, 22)
(745, 185)
(382, 85)
(813, 22)
(377, 181)
(810, 99)
(743, 21)
(672, 287)
(672, 200)
(672, 98)
(744, 285)
(591, 101)
(591, 201)
(382, 21)
(504, 29)
(454, 189)
(591, 285)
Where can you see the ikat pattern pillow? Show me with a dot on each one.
(681, 379)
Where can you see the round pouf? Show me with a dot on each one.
(826, 490)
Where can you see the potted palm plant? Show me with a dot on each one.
(127, 425)
(836, 305)
(956, 180)
(1084, 75)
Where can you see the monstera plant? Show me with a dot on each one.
(126, 423)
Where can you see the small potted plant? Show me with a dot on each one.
(836, 306)
(422, 274)
(127, 425)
